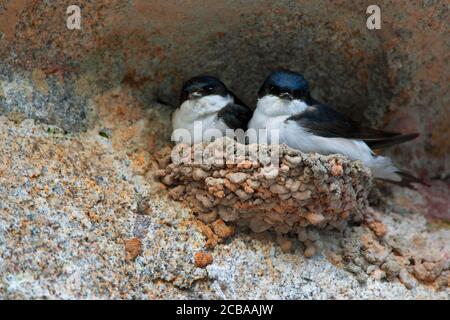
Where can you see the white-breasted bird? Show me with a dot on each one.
(285, 103)
(207, 100)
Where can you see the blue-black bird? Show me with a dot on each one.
(285, 103)
(207, 100)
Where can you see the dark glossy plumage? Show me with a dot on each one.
(324, 121)
(203, 86)
(236, 116)
(286, 84)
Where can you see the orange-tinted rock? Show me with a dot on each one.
(133, 248)
(222, 230)
(202, 259)
(378, 228)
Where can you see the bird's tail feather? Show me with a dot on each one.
(408, 179)
(383, 169)
(390, 141)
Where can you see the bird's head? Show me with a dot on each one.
(202, 86)
(286, 85)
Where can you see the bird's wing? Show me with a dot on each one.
(236, 116)
(324, 121)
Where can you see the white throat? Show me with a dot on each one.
(204, 110)
(273, 106)
(201, 107)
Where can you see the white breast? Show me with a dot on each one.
(201, 114)
(298, 138)
(272, 114)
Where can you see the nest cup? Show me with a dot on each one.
(268, 187)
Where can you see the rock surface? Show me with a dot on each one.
(268, 188)
(396, 77)
(80, 213)
(81, 218)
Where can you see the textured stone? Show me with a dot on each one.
(133, 248)
(69, 204)
(202, 259)
(237, 177)
(395, 77)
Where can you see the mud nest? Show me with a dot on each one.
(265, 187)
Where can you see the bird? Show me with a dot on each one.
(205, 99)
(305, 124)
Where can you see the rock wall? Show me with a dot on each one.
(80, 213)
(396, 77)
(81, 218)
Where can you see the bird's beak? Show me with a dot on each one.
(194, 95)
(287, 96)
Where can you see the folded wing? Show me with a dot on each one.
(236, 116)
(324, 121)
